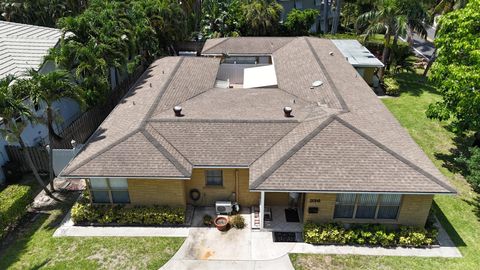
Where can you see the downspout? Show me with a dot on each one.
(237, 188)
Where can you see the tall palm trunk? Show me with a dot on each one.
(385, 55)
(430, 62)
(34, 170)
(52, 136)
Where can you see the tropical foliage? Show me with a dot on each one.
(221, 18)
(261, 17)
(299, 22)
(40, 12)
(15, 114)
(456, 71)
(114, 37)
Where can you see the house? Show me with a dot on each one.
(23, 47)
(308, 136)
(360, 58)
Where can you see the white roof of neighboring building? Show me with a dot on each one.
(356, 54)
(24, 46)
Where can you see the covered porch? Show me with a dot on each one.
(278, 212)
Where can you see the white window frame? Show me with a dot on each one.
(213, 185)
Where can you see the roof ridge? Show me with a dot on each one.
(246, 121)
(290, 41)
(163, 137)
(214, 46)
(394, 154)
(158, 98)
(166, 153)
(332, 85)
(291, 152)
(129, 134)
(105, 149)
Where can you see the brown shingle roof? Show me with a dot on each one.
(342, 137)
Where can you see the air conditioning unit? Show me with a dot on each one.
(223, 207)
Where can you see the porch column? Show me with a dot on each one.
(262, 209)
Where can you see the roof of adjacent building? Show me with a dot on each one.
(341, 138)
(356, 53)
(23, 47)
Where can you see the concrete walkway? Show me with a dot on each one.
(208, 248)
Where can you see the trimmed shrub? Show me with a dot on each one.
(14, 200)
(392, 88)
(84, 213)
(237, 221)
(299, 22)
(374, 235)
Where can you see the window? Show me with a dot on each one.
(345, 205)
(367, 206)
(389, 205)
(109, 190)
(214, 178)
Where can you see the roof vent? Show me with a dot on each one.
(331, 53)
(317, 83)
(288, 111)
(178, 111)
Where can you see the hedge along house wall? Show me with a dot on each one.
(413, 211)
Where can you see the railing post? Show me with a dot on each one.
(262, 209)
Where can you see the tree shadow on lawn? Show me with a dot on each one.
(454, 236)
(15, 244)
(414, 84)
(454, 160)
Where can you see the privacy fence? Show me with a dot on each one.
(79, 130)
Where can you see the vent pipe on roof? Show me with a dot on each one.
(178, 111)
(287, 111)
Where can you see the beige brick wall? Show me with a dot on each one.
(231, 184)
(325, 204)
(245, 197)
(414, 210)
(160, 192)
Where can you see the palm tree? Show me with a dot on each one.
(13, 107)
(261, 17)
(445, 6)
(49, 88)
(384, 19)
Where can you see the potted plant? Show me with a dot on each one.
(221, 223)
(207, 220)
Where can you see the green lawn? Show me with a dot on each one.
(458, 214)
(35, 248)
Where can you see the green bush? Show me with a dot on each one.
(14, 200)
(207, 220)
(299, 22)
(473, 167)
(374, 235)
(84, 213)
(237, 221)
(392, 88)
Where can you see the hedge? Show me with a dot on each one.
(374, 235)
(391, 85)
(14, 200)
(85, 213)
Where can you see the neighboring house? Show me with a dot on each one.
(361, 59)
(340, 155)
(23, 47)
